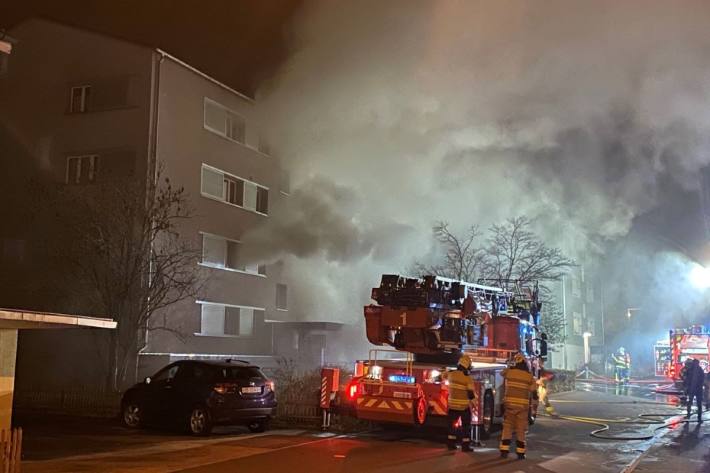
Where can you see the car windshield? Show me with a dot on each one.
(240, 373)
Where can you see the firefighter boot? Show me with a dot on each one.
(451, 442)
(520, 449)
(504, 448)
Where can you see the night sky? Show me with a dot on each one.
(239, 42)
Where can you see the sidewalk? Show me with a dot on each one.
(684, 449)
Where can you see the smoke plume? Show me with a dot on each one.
(392, 115)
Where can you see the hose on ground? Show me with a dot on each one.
(642, 419)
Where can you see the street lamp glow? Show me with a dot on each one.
(700, 277)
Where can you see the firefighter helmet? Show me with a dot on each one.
(518, 358)
(622, 350)
(465, 361)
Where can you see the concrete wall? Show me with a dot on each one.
(183, 145)
(8, 353)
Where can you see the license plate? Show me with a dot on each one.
(251, 390)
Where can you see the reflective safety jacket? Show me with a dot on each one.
(519, 385)
(621, 361)
(461, 390)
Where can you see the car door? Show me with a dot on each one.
(160, 393)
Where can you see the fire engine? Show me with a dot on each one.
(427, 324)
(662, 357)
(692, 342)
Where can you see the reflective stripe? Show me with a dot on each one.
(519, 384)
(459, 387)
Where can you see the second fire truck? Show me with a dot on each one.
(428, 323)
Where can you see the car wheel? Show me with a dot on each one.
(488, 412)
(200, 422)
(132, 415)
(258, 426)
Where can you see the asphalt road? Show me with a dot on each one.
(555, 445)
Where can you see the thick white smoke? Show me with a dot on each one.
(392, 115)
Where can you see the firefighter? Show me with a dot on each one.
(694, 382)
(461, 393)
(622, 365)
(520, 386)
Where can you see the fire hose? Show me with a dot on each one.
(660, 419)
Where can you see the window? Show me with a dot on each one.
(212, 322)
(262, 200)
(220, 252)
(282, 297)
(264, 146)
(166, 374)
(81, 169)
(285, 182)
(577, 323)
(223, 121)
(79, 100)
(212, 182)
(213, 250)
(574, 283)
(234, 190)
(227, 320)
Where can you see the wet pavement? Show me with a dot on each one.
(557, 445)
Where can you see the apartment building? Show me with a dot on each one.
(83, 107)
(580, 297)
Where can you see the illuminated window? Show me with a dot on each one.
(81, 169)
(79, 99)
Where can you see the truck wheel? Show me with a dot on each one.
(421, 409)
(488, 413)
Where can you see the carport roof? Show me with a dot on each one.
(25, 319)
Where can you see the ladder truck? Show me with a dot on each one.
(428, 323)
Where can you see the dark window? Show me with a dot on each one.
(241, 373)
(262, 200)
(167, 373)
(82, 169)
(79, 99)
(234, 190)
(282, 296)
(231, 321)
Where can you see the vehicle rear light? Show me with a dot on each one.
(354, 390)
(221, 388)
(224, 388)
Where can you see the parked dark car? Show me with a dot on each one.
(198, 395)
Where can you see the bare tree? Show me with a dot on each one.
(515, 252)
(553, 321)
(511, 252)
(124, 246)
(463, 259)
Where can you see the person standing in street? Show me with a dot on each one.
(461, 393)
(520, 387)
(695, 382)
